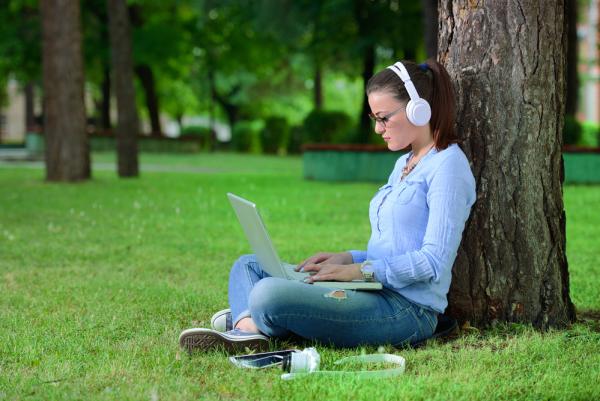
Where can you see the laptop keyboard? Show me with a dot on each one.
(300, 276)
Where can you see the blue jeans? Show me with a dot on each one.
(345, 318)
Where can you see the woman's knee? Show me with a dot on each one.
(267, 304)
(267, 295)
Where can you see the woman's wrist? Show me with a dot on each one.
(357, 273)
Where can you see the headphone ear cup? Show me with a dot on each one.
(418, 112)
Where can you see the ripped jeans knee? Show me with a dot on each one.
(339, 317)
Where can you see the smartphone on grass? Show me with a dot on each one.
(261, 360)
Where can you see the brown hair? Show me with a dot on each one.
(434, 85)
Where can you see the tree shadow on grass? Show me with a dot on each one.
(589, 318)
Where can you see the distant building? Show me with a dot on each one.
(588, 69)
(12, 115)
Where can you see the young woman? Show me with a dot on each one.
(417, 220)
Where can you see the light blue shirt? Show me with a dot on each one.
(417, 225)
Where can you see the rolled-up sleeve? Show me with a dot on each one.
(358, 256)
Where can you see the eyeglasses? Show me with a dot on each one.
(383, 120)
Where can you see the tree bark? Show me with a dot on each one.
(67, 149)
(508, 66)
(122, 67)
(146, 76)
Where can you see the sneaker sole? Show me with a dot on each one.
(208, 340)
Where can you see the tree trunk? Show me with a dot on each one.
(366, 21)
(105, 106)
(146, 76)
(29, 108)
(316, 45)
(430, 26)
(365, 127)
(67, 149)
(508, 67)
(231, 110)
(572, 56)
(122, 67)
(318, 86)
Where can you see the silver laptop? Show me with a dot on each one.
(261, 244)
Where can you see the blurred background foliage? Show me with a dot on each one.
(247, 75)
(277, 73)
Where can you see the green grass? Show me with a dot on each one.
(98, 279)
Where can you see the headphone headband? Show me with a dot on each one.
(418, 110)
(401, 71)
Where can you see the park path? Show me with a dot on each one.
(111, 166)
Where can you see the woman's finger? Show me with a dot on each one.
(300, 265)
(324, 277)
(318, 258)
(304, 263)
(312, 267)
(332, 273)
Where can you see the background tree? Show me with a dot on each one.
(145, 74)
(122, 66)
(241, 63)
(380, 24)
(162, 52)
(430, 26)
(321, 30)
(20, 50)
(96, 53)
(353, 37)
(67, 150)
(512, 264)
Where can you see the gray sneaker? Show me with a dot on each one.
(221, 321)
(233, 342)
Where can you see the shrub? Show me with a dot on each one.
(590, 135)
(571, 131)
(195, 130)
(275, 135)
(244, 137)
(295, 141)
(327, 127)
(204, 134)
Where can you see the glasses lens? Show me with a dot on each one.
(377, 119)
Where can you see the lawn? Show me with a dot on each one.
(98, 279)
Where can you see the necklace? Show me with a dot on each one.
(412, 162)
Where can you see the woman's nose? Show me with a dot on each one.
(379, 128)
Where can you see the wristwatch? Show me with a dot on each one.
(368, 276)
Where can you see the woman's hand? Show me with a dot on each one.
(327, 258)
(331, 272)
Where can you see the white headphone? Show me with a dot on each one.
(418, 110)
